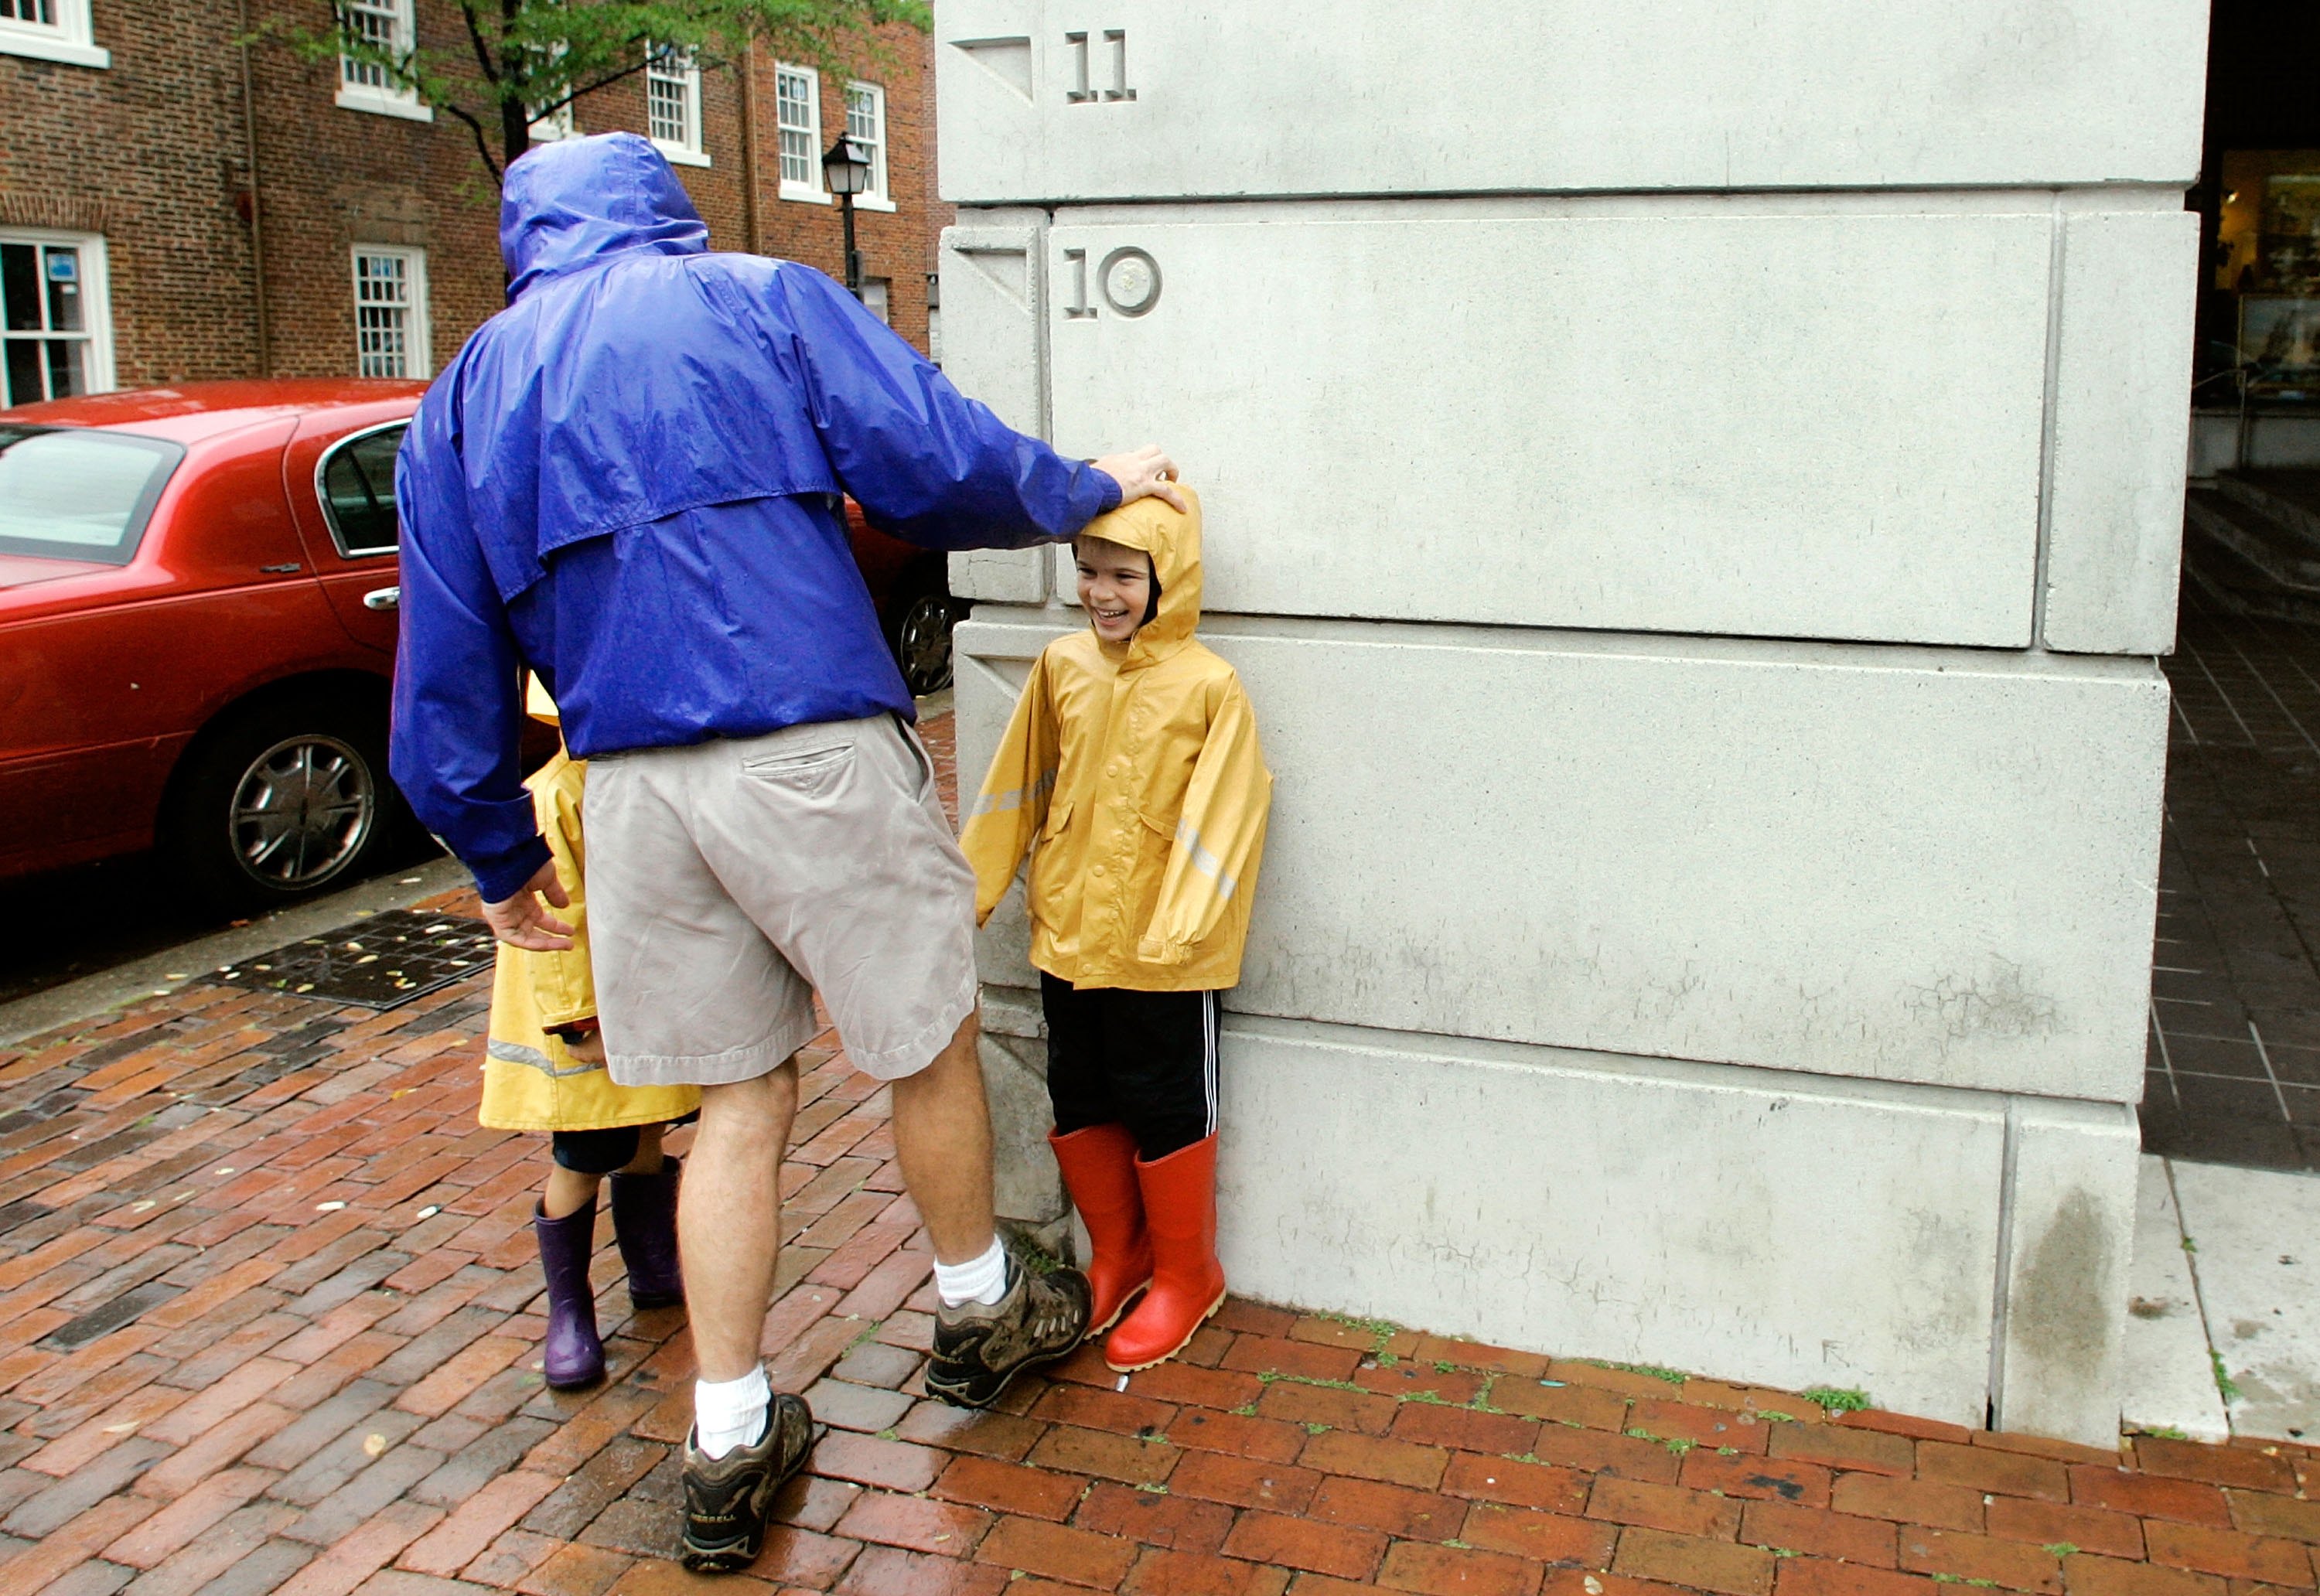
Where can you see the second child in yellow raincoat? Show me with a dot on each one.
(1132, 775)
(544, 1070)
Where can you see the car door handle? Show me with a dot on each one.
(382, 598)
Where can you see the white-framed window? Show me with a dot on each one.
(390, 25)
(865, 124)
(797, 112)
(56, 329)
(52, 31)
(672, 104)
(560, 123)
(391, 312)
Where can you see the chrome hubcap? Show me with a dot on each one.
(302, 811)
(926, 644)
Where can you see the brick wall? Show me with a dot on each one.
(153, 154)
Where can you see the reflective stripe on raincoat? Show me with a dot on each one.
(1139, 787)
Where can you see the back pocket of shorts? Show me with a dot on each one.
(808, 773)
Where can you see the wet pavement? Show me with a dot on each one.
(2234, 1059)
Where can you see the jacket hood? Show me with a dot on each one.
(1172, 539)
(540, 705)
(577, 202)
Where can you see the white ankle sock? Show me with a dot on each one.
(730, 1413)
(980, 1280)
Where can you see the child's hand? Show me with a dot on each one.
(587, 1049)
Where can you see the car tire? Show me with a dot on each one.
(281, 801)
(917, 629)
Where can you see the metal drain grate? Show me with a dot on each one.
(379, 963)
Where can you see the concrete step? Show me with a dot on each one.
(2239, 586)
(2276, 548)
(2289, 498)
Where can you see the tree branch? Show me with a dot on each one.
(482, 147)
(550, 110)
(475, 37)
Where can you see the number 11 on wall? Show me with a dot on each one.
(1115, 46)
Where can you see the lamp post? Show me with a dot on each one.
(847, 169)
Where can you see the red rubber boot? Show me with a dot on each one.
(1188, 1283)
(1099, 1166)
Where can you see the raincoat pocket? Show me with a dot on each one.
(809, 774)
(1151, 871)
(1051, 876)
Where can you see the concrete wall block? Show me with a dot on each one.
(991, 298)
(1758, 1226)
(1740, 440)
(2070, 1213)
(1156, 99)
(1026, 1186)
(1898, 864)
(2129, 291)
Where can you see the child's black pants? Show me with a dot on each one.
(1147, 1060)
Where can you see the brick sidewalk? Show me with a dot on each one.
(268, 1320)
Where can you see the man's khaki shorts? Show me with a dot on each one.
(729, 881)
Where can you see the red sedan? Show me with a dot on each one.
(197, 597)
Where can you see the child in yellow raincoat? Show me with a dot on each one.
(1131, 773)
(544, 1070)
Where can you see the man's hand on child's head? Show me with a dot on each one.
(1144, 474)
(521, 921)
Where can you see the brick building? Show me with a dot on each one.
(176, 206)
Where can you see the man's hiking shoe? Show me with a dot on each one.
(728, 1498)
(979, 1345)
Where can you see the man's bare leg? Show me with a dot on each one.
(730, 1215)
(995, 1318)
(942, 1138)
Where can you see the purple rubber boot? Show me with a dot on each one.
(574, 1354)
(644, 1222)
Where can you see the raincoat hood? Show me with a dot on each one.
(540, 704)
(1172, 539)
(578, 202)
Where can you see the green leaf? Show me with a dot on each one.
(1835, 1399)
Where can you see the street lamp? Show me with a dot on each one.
(847, 169)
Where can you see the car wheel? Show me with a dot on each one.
(919, 634)
(281, 803)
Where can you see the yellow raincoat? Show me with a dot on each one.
(1135, 778)
(531, 1082)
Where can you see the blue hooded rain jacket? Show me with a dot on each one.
(628, 481)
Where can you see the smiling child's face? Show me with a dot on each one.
(1115, 588)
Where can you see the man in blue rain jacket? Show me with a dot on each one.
(628, 482)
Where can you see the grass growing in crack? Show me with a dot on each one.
(1834, 1399)
(2060, 1548)
(1312, 1428)
(1677, 1444)
(1651, 1370)
(1775, 1416)
(2165, 1432)
(1153, 1487)
(2225, 1386)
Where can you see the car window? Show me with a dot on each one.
(357, 483)
(74, 494)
